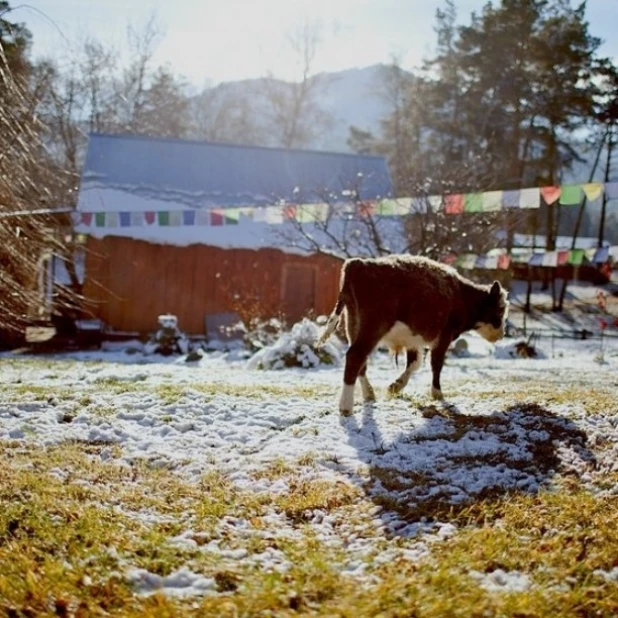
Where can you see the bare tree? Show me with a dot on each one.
(131, 87)
(297, 118)
(27, 192)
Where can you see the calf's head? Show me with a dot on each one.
(493, 312)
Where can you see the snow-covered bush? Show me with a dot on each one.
(169, 339)
(296, 348)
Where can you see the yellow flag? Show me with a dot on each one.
(593, 190)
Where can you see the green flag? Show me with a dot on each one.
(576, 257)
(232, 215)
(570, 195)
(473, 202)
(99, 219)
(163, 217)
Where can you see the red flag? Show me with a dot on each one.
(563, 257)
(366, 209)
(289, 211)
(550, 194)
(150, 217)
(86, 218)
(504, 261)
(454, 204)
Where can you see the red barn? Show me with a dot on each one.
(195, 228)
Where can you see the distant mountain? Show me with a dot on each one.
(350, 97)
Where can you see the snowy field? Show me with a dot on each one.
(510, 426)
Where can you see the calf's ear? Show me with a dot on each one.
(495, 289)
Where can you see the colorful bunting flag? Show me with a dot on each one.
(492, 262)
(435, 202)
(510, 199)
(367, 208)
(576, 257)
(386, 208)
(163, 218)
(473, 202)
(536, 259)
(504, 261)
(601, 255)
(202, 217)
(550, 194)
(289, 211)
(481, 261)
(150, 217)
(175, 218)
(550, 259)
(138, 218)
(570, 195)
(593, 190)
(611, 190)
(86, 218)
(216, 216)
(492, 201)
(454, 204)
(466, 261)
(274, 215)
(125, 219)
(419, 205)
(232, 216)
(99, 219)
(529, 198)
(112, 219)
(259, 215)
(563, 257)
(188, 217)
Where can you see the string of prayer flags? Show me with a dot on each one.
(456, 203)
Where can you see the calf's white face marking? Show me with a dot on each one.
(489, 332)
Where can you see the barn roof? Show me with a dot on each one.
(213, 174)
(185, 192)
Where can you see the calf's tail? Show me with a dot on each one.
(332, 322)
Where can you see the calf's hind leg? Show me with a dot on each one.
(366, 388)
(414, 359)
(355, 362)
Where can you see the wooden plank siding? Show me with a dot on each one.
(130, 282)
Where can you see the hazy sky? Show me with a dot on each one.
(224, 40)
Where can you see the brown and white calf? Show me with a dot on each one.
(408, 303)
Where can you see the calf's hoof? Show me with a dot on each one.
(346, 403)
(436, 393)
(369, 396)
(394, 389)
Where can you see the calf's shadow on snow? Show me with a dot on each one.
(437, 469)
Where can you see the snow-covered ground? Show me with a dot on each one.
(509, 425)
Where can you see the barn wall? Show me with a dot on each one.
(130, 282)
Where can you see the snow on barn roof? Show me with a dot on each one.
(164, 190)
